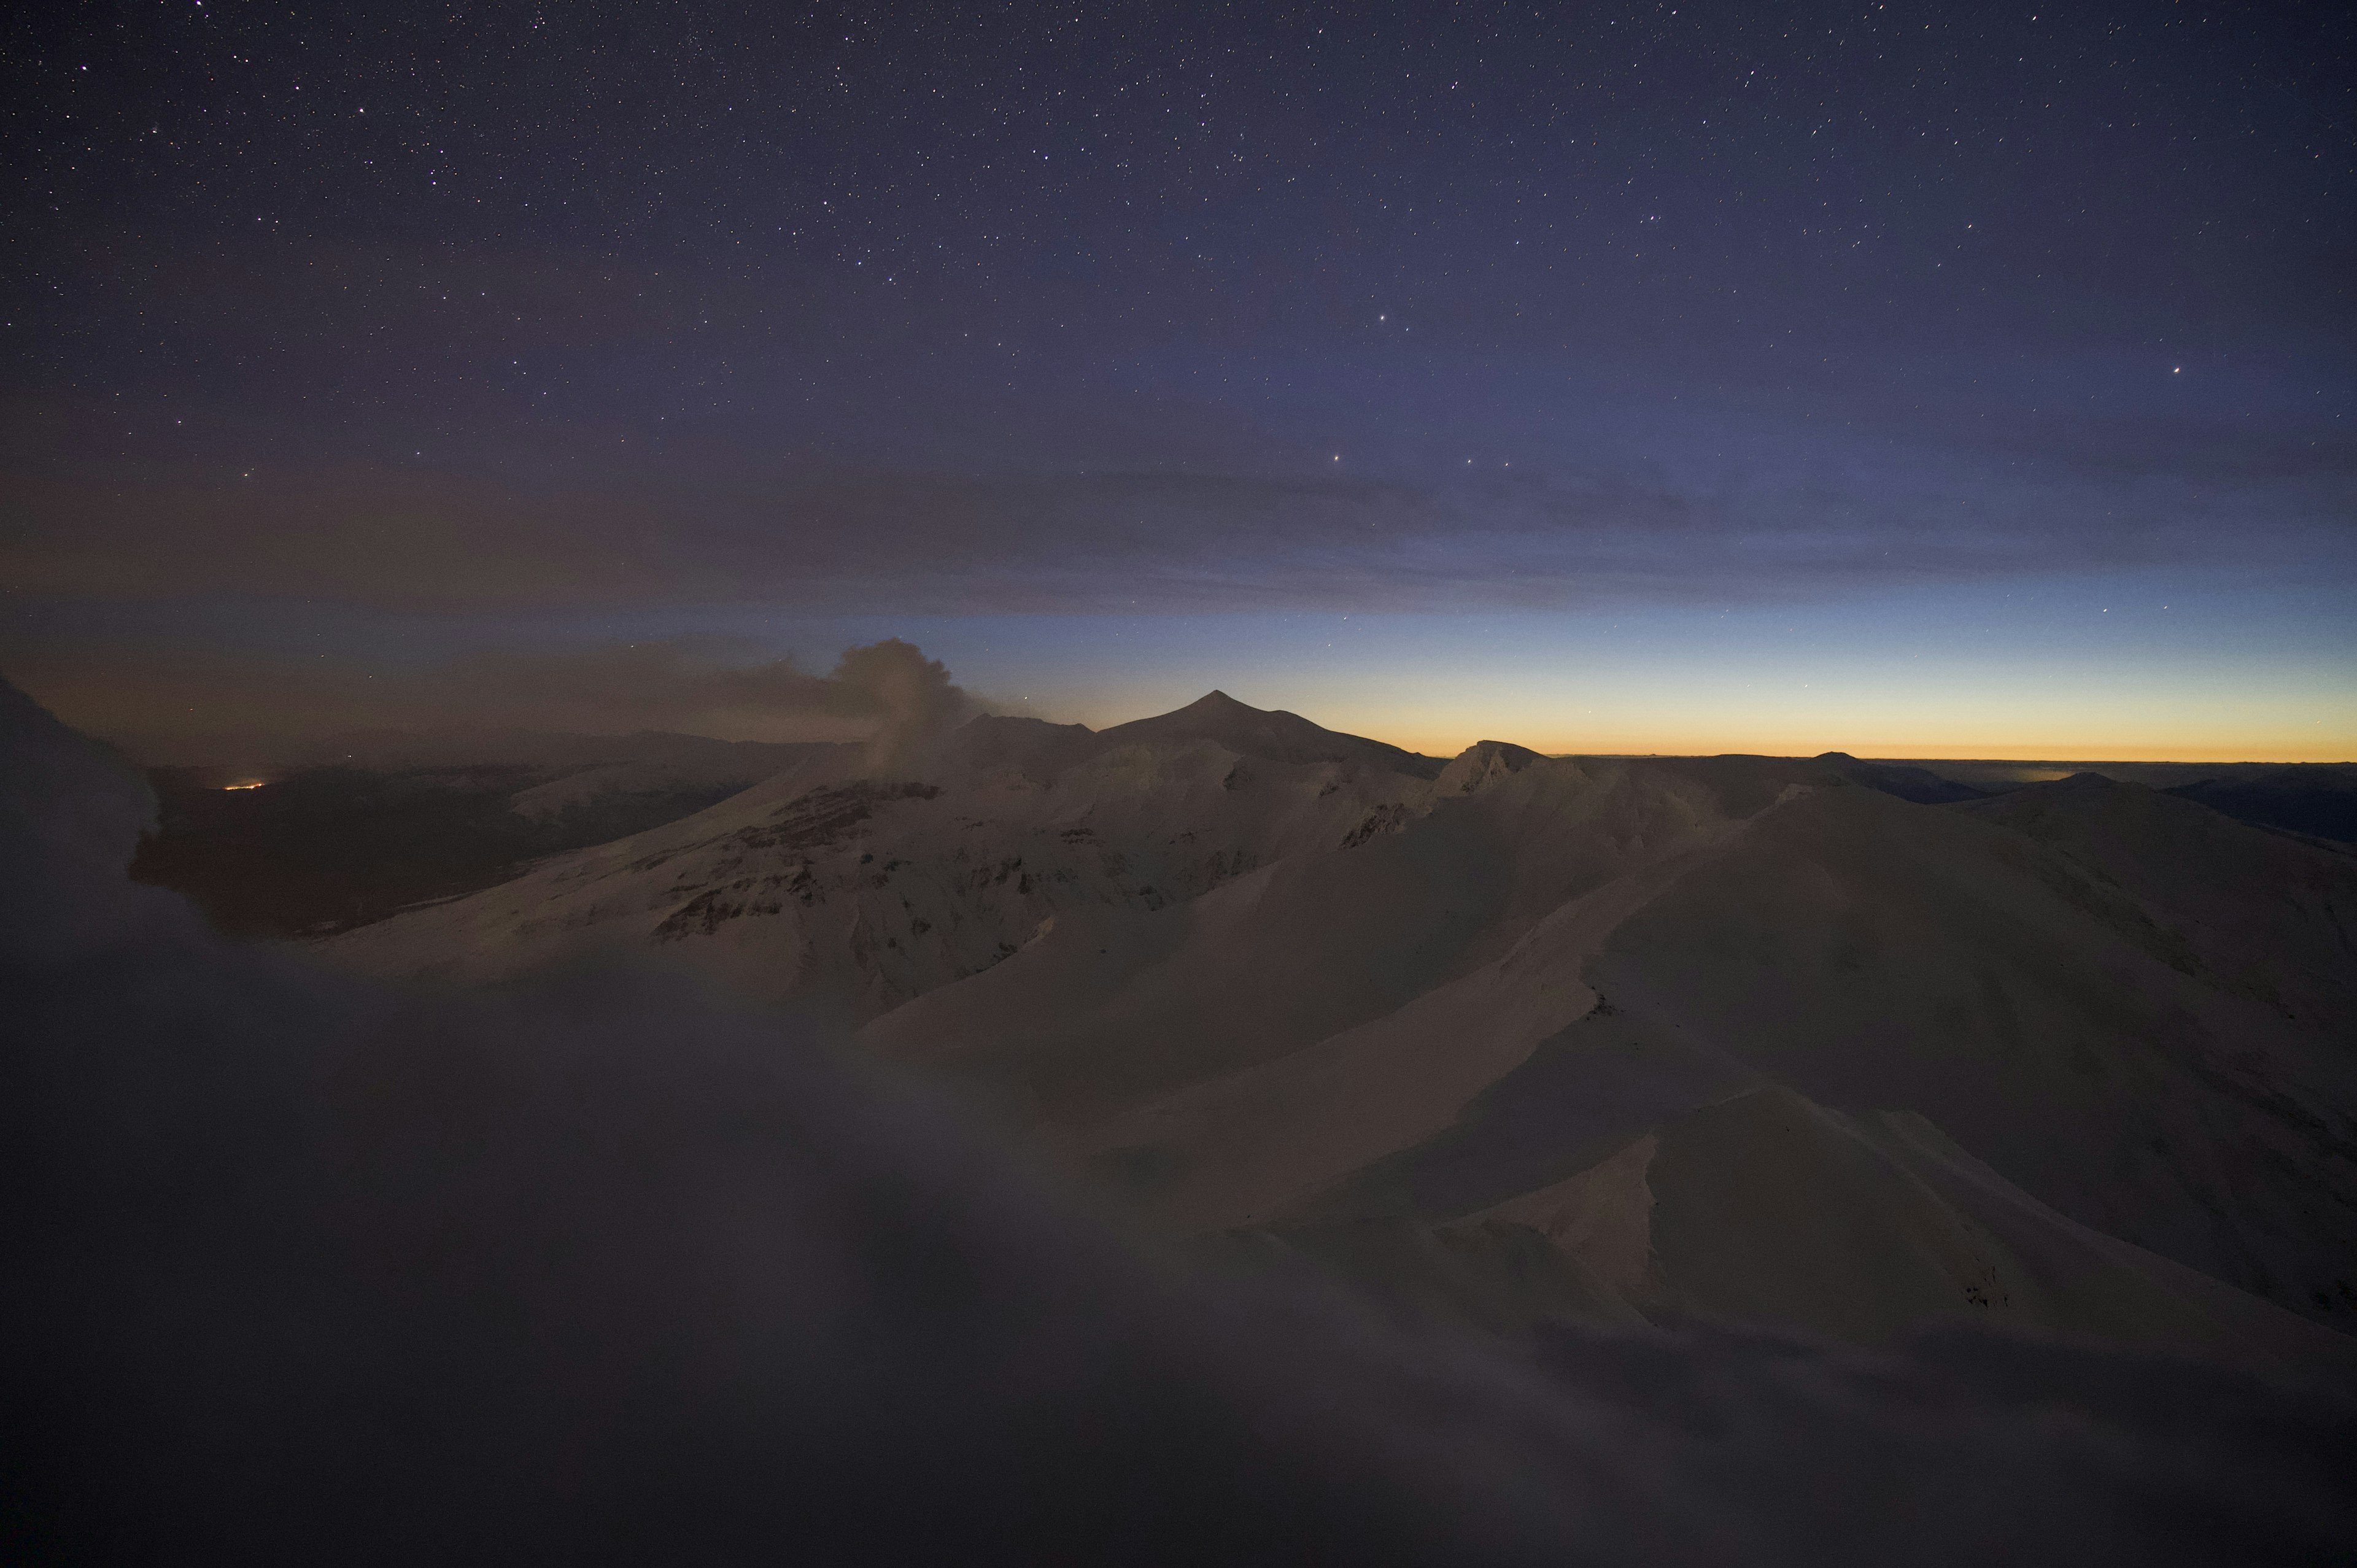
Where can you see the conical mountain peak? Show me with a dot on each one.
(1269, 734)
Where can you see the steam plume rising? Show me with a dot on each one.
(887, 694)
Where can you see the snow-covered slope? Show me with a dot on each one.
(829, 882)
(1412, 1033)
(1734, 1035)
(595, 1265)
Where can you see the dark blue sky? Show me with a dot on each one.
(1669, 377)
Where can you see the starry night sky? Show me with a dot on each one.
(1917, 380)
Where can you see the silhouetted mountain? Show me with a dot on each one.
(2315, 798)
(1920, 785)
(1270, 736)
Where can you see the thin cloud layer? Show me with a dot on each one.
(230, 710)
(877, 540)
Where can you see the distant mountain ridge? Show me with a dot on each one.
(1271, 736)
(1920, 785)
(2315, 799)
(2318, 798)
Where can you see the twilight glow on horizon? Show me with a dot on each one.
(1910, 381)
